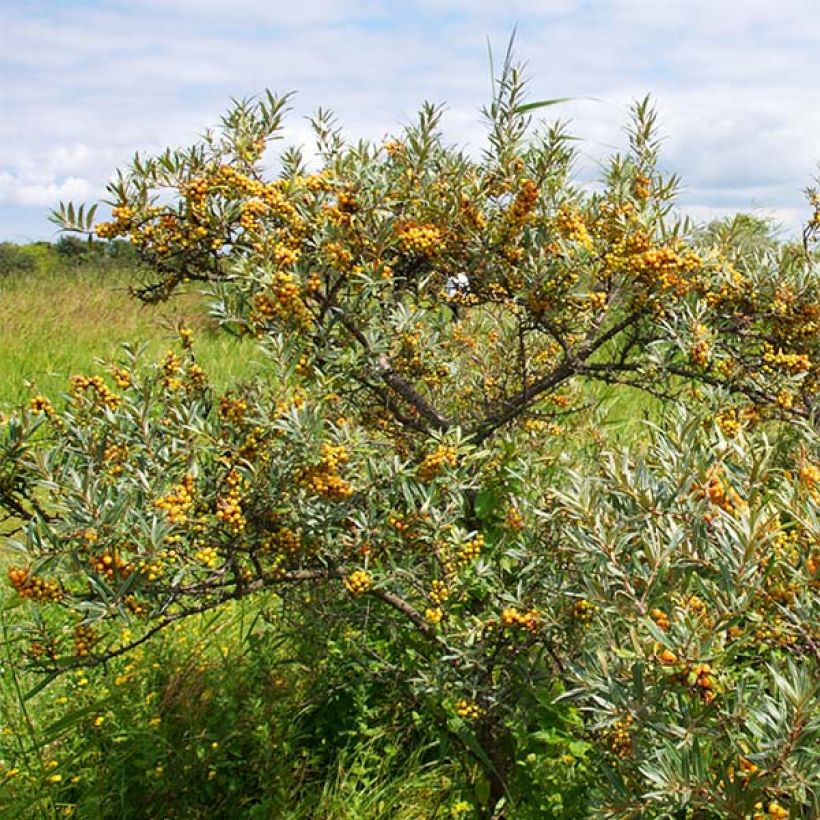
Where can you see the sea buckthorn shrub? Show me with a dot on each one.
(433, 324)
(697, 564)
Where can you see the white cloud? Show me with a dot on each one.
(734, 82)
(21, 191)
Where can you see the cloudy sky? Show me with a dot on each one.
(85, 83)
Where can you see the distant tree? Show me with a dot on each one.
(76, 251)
(15, 259)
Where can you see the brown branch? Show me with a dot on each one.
(394, 601)
(411, 395)
(400, 605)
(393, 406)
(513, 407)
(571, 366)
(745, 390)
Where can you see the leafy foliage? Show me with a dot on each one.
(433, 323)
(15, 259)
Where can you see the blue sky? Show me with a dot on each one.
(85, 84)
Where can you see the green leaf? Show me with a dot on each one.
(42, 684)
(487, 502)
(482, 791)
(53, 731)
(522, 109)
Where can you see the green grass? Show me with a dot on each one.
(56, 323)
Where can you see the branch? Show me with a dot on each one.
(293, 577)
(517, 404)
(393, 406)
(411, 395)
(397, 383)
(749, 392)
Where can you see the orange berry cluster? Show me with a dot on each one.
(152, 570)
(538, 303)
(357, 583)
(809, 477)
(434, 614)
(101, 391)
(195, 377)
(48, 648)
(394, 148)
(285, 540)
(788, 362)
(747, 768)
(773, 810)
(122, 378)
(661, 619)
(407, 359)
(472, 216)
(38, 589)
(313, 284)
(583, 611)
(523, 204)
(701, 677)
(40, 404)
(770, 631)
(85, 637)
(619, 737)
(439, 592)
(698, 677)
(123, 215)
(283, 303)
(110, 566)
(667, 657)
(250, 213)
(511, 617)
(321, 182)
(324, 479)
(399, 523)
(135, 606)
(728, 421)
(469, 709)
(570, 224)
(699, 352)
(338, 256)
(114, 455)
(207, 556)
(513, 520)
(720, 494)
(641, 186)
(232, 408)
(178, 502)
(695, 605)
(284, 254)
(433, 464)
(186, 336)
(171, 367)
(665, 267)
(471, 549)
(229, 506)
(419, 239)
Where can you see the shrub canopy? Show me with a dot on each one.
(435, 323)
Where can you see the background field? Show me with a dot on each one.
(61, 317)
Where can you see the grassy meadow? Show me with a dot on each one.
(54, 323)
